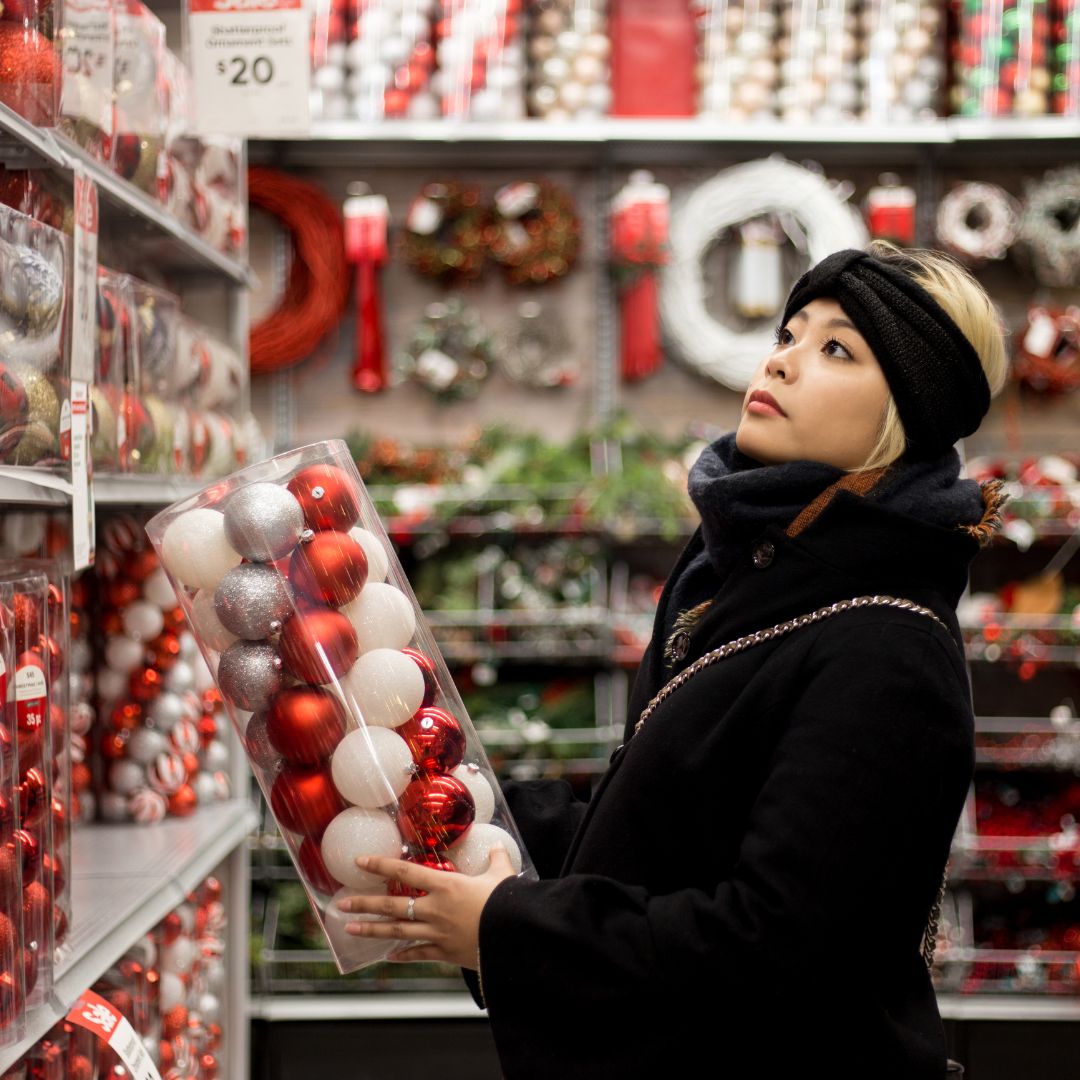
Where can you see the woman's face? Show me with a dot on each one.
(829, 388)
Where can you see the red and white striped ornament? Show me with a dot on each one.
(167, 774)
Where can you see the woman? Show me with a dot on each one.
(747, 891)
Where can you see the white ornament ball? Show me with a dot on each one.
(189, 645)
(209, 1008)
(348, 947)
(180, 678)
(382, 616)
(142, 620)
(147, 806)
(145, 744)
(171, 991)
(215, 756)
(371, 767)
(195, 551)
(472, 853)
(114, 806)
(329, 78)
(178, 956)
(571, 95)
(424, 106)
(481, 791)
(356, 832)
(214, 973)
(598, 45)
(205, 788)
(123, 655)
(111, 684)
(386, 686)
(598, 97)
(377, 560)
(157, 588)
(166, 711)
(125, 776)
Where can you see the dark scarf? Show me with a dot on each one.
(738, 497)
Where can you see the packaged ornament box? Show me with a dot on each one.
(354, 730)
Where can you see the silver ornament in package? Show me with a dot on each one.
(350, 720)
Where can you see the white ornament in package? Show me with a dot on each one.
(353, 727)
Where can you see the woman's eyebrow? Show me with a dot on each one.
(837, 322)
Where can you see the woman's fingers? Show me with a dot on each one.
(403, 931)
(417, 877)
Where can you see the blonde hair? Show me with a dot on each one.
(966, 302)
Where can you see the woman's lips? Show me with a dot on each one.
(763, 408)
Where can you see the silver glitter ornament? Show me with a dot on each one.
(263, 522)
(31, 289)
(252, 601)
(260, 749)
(249, 674)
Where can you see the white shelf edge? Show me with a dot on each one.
(143, 490)
(373, 1006)
(59, 153)
(34, 487)
(212, 834)
(1007, 1007)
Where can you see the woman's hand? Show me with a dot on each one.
(446, 919)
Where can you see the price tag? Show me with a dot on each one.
(95, 1014)
(82, 492)
(86, 52)
(250, 66)
(84, 287)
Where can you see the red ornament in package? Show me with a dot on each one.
(351, 723)
(653, 57)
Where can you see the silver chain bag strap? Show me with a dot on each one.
(759, 637)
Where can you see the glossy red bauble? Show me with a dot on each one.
(79, 1067)
(305, 723)
(7, 815)
(314, 869)
(427, 669)
(432, 860)
(53, 652)
(434, 811)
(328, 497)
(304, 799)
(114, 744)
(60, 820)
(183, 802)
(435, 739)
(331, 568)
(33, 797)
(163, 652)
(126, 717)
(171, 927)
(53, 864)
(145, 684)
(315, 640)
(60, 925)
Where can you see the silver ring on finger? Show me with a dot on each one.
(410, 910)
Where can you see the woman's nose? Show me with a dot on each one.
(779, 366)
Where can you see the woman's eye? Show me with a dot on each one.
(783, 335)
(845, 353)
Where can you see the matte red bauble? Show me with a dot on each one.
(435, 739)
(174, 1021)
(432, 860)
(9, 868)
(53, 864)
(304, 799)
(60, 819)
(183, 801)
(7, 936)
(434, 811)
(305, 723)
(11, 999)
(37, 911)
(328, 497)
(427, 669)
(314, 869)
(60, 925)
(31, 744)
(330, 568)
(317, 639)
(28, 622)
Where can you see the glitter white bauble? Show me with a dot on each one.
(350, 948)
(205, 788)
(125, 776)
(157, 588)
(382, 616)
(111, 684)
(209, 1007)
(386, 685)
(371, 767)
(180, 678)
(356, 832)
(145, 744)
(123, 655)
(377, 559)
(215, 756)
(166, 711)
(472, 853)
(142, 620)
(483, 795)
(195, 550)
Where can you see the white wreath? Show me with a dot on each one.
(995, 225)
(736, 195)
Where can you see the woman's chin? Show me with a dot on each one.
(752, 444)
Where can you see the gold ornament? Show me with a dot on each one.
(40, 438)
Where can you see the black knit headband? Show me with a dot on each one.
(932, 369)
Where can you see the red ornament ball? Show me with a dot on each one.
(53, 864)
(37, 911)
(25, 846)
(33, 797)
(183, 801)
(315, 640)
(305, 723)
(174, 1021)
(435, 739)
(7, 815)
(171, 927)
(433, 860)
(314, 869)
(29, 69)
(427, 669)
(328, 497)
(331, 568)
(11, 1000)
(14, 410)
(434, 811)
(304, 799)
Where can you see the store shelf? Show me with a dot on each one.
(33, 487)
(28, 146)
(124, 880)
(1007, 1007)
(367, 1007)
(143, 490)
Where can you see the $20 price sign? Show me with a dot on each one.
(250, 66)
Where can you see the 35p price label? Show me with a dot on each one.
(250, 65)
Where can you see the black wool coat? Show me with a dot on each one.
(748, 886)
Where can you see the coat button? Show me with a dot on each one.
(681, 645)
(764, 554)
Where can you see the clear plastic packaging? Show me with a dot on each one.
(29, 65)
(353, 727)
(30, 721)
(139, 89)
(1002, 59)
(107, 389)
(902, 70)
(12, 985)
(1066, 40)
(569, 60)
(34, 295)
(737, 72)
(156, 322)
(818, 49)
(86, 43)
